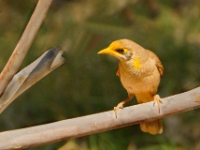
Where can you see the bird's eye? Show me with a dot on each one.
(120, 50)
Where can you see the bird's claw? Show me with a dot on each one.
(157, 100)
(119, 106)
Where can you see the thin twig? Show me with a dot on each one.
(82, 126)
(31, 74)
(24, 44)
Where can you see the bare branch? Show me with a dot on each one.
(82, 126)
(24, 44)
(30, 75)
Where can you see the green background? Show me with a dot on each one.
(86, 83)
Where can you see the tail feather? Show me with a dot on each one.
(153, 127)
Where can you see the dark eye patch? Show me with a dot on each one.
(120, 50)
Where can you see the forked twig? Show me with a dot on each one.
(30, 75)
(24, 44)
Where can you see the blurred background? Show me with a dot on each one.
(87, 84)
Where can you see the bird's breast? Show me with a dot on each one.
(137, 81)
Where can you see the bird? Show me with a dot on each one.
(140, 71)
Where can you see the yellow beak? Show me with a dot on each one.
(105, 51)
(111, 52)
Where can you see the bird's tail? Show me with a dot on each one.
(153, 127)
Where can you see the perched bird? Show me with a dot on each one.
(140, 71)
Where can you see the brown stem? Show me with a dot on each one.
(24, 44)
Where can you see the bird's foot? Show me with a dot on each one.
(119, 106)
(157, 100)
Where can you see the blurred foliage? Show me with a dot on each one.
(87, 84)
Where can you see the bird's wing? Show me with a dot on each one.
(158, 62)
(118, 72)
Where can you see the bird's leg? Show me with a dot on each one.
(157, 100)
(120, 105)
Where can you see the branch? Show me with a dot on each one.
(30, 75)
(24, 44)
(82, 126)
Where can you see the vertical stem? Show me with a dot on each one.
(24, 43)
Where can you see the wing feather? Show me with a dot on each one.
(118, 72)
(158, 62)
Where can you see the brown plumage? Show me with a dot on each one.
(139, 71)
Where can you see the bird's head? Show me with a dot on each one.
(123, 49)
